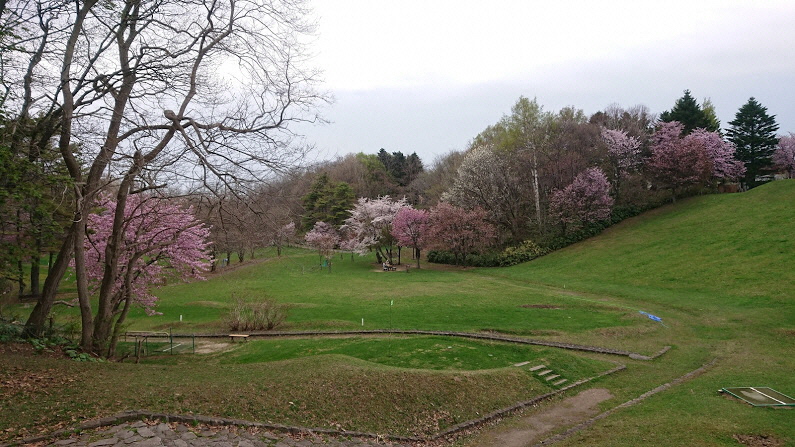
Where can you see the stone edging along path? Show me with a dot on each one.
(568, 433)
(134, 415)
(479, 336)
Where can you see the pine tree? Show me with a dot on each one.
(687, 111)
(753, 132)
(327, 201)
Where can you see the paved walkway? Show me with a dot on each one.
(141, 434)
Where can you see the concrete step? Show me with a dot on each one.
(551, 377)
(545, 372)
(521, 364)
(560, 382)
(537, 367)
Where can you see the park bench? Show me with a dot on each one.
(234, 337)
(389, 268)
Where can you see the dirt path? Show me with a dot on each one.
(531, 429)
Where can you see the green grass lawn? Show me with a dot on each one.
(718, 269)
(449, 299)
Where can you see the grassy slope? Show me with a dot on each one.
(720, 271)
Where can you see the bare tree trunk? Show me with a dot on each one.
(21, 277)
(536, 192)
(83, 298)
(20, 266)
(35, 269)
(37, 320)
(118, 325)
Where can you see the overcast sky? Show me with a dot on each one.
(428, 76)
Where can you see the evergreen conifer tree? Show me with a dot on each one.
(327, 201)
(687, 111)
(753, 132)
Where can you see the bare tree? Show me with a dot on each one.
(487, 179)
(156, 93)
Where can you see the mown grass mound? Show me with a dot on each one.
(422, 353)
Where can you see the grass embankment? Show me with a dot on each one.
(410, 386)
(717, 269)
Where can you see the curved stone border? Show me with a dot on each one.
(503, 338)
(135, 415)
(629, 403)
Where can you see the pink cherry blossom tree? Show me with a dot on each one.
(721, 153)
(159, 238)
(677, 164)
(371, 225)
(324, 237)
(459, 231)
(409, 228)
(584, 201)
(624, 154)
(784, 156)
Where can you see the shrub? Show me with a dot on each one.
(247, 315)
(526, 251)
(10, 331)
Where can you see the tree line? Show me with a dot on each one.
(551, 177)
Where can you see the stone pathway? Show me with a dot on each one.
(142, 434)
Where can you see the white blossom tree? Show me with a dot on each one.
(370, 225)
(487, 180)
